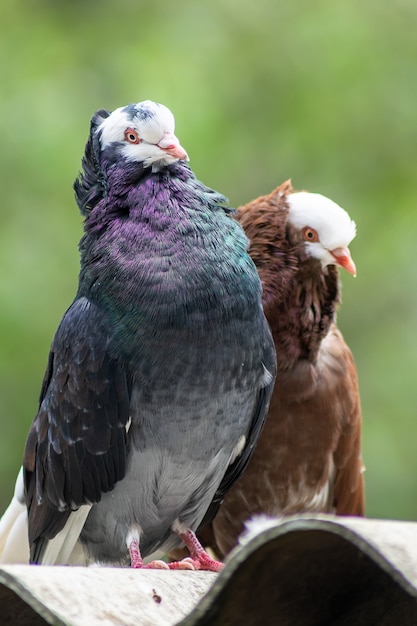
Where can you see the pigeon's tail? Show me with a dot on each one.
(14, 541)
(14, 544)
(65, 548)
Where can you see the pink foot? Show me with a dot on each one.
(203, 562)
(199, 558)
(158, 564)
(184, 564)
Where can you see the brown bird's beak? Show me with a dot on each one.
(170, 144)
(343, 258)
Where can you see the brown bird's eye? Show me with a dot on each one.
(131, 135)
(310, 234)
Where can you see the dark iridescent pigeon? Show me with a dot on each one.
(161, 371)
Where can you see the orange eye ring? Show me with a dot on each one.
(131, 135)
(309, 234)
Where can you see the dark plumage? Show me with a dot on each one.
(161, 371)
(308, 457)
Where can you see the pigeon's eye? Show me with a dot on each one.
(310, 234)
(131, 135)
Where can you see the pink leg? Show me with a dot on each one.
(136, 560)
(199, 559)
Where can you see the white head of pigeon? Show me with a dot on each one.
(326, 228)
(146, 132)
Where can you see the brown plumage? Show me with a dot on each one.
(308, 457)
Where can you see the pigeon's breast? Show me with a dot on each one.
(177, 285)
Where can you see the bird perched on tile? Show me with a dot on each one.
(308, 457)
(160, 373)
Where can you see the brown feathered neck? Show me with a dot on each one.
(300, 298)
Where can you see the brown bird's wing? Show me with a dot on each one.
(349, 488)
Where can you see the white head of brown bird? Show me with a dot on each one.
(325, 227)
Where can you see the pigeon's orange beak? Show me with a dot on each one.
(170, 144)
(343, 258)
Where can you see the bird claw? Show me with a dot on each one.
(184, 564)
(203, 563)
(157, 564)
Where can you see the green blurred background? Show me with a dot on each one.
(323, 92)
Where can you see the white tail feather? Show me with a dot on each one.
(14, 544)
(63, 548)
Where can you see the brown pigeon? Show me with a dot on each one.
(308, 458)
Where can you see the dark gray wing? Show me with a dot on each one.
(76, 448)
